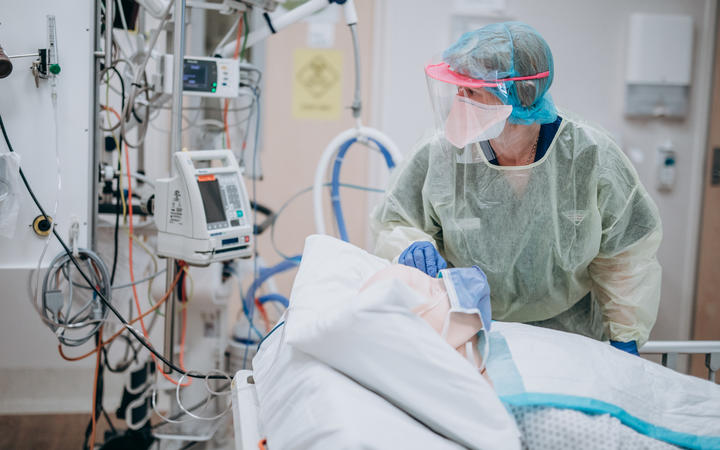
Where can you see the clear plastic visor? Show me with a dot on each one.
(466, 115)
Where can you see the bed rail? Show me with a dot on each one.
(671, 349)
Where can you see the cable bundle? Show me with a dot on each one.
(74, 315)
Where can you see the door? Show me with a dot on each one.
(707, 297)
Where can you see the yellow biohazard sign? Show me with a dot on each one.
(317, 84)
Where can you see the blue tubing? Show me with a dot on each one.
(264, 274)
(335, 184)
(274, 298)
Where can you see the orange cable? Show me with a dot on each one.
(227, 101)
(225, 124)
(132, 274)
(264, 315)
(241, 25)
(110, 108)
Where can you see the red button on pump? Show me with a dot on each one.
(247, 239)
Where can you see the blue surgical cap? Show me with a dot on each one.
(509, 50)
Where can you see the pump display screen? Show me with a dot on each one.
(199, 75)
(212, 199)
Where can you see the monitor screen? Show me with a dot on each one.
(196, 75)
(212, 200)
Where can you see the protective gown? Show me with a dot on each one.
(568, 242)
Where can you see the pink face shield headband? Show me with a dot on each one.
(442, 72)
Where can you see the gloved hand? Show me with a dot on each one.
(424, 256)
(630, 347)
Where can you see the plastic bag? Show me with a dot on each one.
(9, 193)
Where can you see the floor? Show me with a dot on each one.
(67, 432)
(48, 432)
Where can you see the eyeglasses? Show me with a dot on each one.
(462, 90)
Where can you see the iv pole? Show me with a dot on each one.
(175, 146)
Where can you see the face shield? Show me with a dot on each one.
(469, 110)
(486, 73)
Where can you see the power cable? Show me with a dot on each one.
(118, 192)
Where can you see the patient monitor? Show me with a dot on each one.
(203, 212)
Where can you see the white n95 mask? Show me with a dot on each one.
(469, 121)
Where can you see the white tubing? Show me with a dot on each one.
(350, 12)
(329, 153)
(279, 22)
(155, 8)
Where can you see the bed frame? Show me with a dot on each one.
(671, 349)
(245, 408)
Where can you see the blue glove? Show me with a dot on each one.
(424, 256)
(630, 347)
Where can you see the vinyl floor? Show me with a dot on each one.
(45, 432)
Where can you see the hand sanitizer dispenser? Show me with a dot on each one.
(666, 167)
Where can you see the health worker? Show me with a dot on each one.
(546, 204)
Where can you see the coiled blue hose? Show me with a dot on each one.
(335, 184)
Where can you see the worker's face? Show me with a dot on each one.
(479, 95)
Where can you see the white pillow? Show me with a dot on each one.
(306, 405)
(375, 339)
(331, 273)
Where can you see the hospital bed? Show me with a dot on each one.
(245, 403)
(315, 392)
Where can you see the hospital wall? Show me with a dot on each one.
(292, 142)
(588, 40)
(33, 377)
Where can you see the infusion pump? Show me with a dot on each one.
(203, 212)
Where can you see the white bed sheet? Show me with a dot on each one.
(306, 405)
